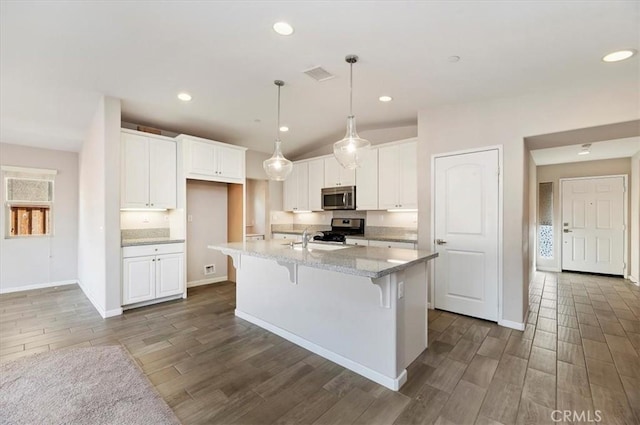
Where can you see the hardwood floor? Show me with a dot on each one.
(580, 351)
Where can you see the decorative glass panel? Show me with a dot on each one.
(545, 220)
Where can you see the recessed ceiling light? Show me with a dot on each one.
(385, 98)
(284, 128)
(185, 97)
(618, 56)
(283, 28)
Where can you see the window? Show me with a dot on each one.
(29, 201)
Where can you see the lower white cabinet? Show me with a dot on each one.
(387, 244)
(287, 236)
(152, 271)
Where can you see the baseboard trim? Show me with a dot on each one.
(391, 383)
(634, 279)
(154, 301)
(513, 325)
(101, 311)
(206, 281)
(37, 286)
(548, 269)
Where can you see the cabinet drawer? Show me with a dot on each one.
(143, 250)
(287, 236)
(387, 244)
(356, 241)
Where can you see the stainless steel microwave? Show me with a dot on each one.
(339, 198)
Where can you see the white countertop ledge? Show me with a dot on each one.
(365, 261)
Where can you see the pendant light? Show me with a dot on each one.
(278, 167)
(350, 150)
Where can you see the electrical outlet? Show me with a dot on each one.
(189, 218)
(209, 269)
(145, 218)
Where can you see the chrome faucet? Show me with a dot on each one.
(306, 236)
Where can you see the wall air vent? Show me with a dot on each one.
(318, 73)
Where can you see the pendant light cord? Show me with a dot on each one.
(278, 123)
(351, 90)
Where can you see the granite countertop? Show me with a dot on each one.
(148, 241)
(366, 261)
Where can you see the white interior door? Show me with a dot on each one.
(593, 225)
(466, 201)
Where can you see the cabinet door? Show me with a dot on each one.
(169, 275)
(162, 173)
(139, 279)
(331, 172)
(201, 158)
(367, 182)
(408, 173)
(302, 186)
(388, 177)
(316, 183)
(134, 191)
(290, 191)
(347, 177)
(230, 162)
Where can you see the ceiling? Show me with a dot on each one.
(58, 58)
(619, 148)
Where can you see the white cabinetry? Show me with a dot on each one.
(287, 237)
(148, 177)
(387, 244)
(357, 241)
(367, 182)
(152, 271)
(295, 196)
(336, 175)
(398, 176)
(214, 161)
(316, 183)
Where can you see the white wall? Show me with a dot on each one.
(508, 122)
(634, 216)
(27, 263)
(99, 210)
(207, 208)
(553, 173)
(375, 136)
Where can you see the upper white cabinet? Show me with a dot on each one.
(214, 161)
(367, 182)
(295, 196)
(398, 176)
(336, 175)
(148, 177)
(316, 183)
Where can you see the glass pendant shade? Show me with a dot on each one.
(350, 150)
(277, 167)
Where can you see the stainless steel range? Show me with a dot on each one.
(341, 228)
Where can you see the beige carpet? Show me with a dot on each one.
(97, 385)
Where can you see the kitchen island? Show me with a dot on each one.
(364, 308)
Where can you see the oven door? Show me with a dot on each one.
(339, 198)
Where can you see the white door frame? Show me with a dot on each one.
(432, 292)
(625, 218)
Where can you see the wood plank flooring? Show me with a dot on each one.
(580, 351)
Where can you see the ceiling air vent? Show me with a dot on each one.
(318, 73)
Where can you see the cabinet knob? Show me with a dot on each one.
(151, 204)
(153, 259)
(156, 249)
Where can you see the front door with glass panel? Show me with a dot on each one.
(593, 225)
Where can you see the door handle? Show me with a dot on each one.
(441, 241)
(567, 231)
